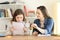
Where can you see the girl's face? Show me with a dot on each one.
(39, 14)
(19, 18)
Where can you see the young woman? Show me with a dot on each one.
(43, 25)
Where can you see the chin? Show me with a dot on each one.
(38, 17)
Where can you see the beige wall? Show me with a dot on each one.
(57, 18)
(54, 9)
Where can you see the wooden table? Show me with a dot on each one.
(30, 38)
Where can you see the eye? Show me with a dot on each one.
(38, 13)
(17, 17)
(20, 17)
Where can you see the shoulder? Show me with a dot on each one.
(36, 20)
(50, 19)
(14, 23)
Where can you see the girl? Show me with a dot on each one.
(43, 25)
(18, 25)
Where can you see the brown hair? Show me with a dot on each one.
(44, 11)
(18, 12)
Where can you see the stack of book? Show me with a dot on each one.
(5, 13)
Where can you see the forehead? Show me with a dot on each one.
(21, 15)
(38, 11)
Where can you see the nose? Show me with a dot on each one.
(38, 15)
(19, 18)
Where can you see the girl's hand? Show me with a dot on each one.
(12, 29)
(25, 29)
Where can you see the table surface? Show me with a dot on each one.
(30, 38)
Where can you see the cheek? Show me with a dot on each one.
(38, 16)
(17, 19)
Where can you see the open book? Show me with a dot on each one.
(18, 28)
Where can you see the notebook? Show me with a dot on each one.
(18, 28)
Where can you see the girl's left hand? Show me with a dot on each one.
(12, 29)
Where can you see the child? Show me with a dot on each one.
(18, 25)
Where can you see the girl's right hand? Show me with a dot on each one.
(12, 29)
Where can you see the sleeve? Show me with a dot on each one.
(36, 21)
(49, 26)
(13, 24)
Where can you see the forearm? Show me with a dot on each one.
(41, 30)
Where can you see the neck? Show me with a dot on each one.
(42, 22)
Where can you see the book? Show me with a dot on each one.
(18, 28)
(8, 13)
(1, 13)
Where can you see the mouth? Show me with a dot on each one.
(38, 16)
